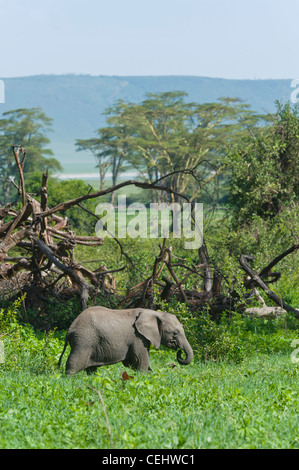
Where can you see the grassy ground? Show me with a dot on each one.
(240, 391)
(253, 404)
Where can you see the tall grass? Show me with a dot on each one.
(241, 391)
(214, 405)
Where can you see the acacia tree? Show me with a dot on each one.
(100, 156)
(27, 127)
(164, 135)
(110, 151)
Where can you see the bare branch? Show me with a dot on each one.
(265, 272)
(138, 184)
(79, 280)
(16, 151)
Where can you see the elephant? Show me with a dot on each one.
(101, 336)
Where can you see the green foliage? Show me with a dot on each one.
(55, 314)
(235, 401)
(210, 341)
(8, 317)
(249, 405)
(264, 169)
(60, 191)
(264, 239)
(164, 134)
(26, 127)
(235, 337)
(24, 346)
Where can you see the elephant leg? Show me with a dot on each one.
(136, 365)
(137, 358)
(77, 361)
(144, 366)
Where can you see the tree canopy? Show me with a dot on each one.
(264, 168)
(26, 127)
(164, 134)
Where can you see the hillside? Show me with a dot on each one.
(76, 102)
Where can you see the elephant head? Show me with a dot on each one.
(164, 328)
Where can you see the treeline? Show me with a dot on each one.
(229, 152)
(27, 127)
(165, 134)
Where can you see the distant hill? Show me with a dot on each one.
(76, 102)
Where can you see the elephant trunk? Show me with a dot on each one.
(188, 352)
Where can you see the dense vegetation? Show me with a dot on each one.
(163, 135)
(27, 127)
(240, 392)
(241, 389)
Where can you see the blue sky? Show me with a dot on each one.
(214, 38)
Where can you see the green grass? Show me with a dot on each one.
(241, 391)
(252, 405)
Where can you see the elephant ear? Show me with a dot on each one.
(148, 325)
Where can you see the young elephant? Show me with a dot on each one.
(100, 336)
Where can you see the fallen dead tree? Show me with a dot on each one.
(166, 281)
(265, 311)
(259, 280)
(47, 269)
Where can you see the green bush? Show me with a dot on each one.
(209, 340)
(8, 316)
(25, 347)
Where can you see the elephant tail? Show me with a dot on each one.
(64, 348)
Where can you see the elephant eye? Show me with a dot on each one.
(176, 332)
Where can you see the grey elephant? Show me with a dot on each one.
(100, 336)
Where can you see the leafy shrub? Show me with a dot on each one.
(209, 340)
(235, 337)
(8, 317)
(60, 191)
(24, 347)
(58, 314)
